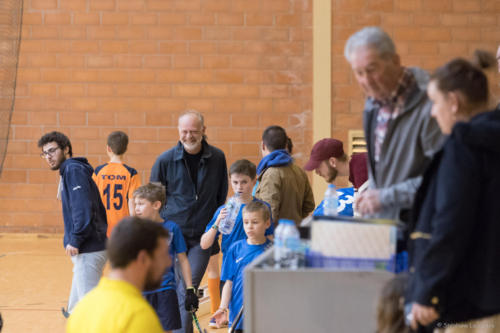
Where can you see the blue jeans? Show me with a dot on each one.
(87, 270)
(198, 260)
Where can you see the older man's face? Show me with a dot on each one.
(377, 76)
(191, 133)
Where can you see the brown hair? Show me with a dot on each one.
(274, 137)
(152, 192)
(118, 142)
(390, 308)
(131, 236)
(466, 77)
(244, 167)
(258, 206)
(59, 138)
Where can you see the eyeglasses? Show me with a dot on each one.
(49, 152)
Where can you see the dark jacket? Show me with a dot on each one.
(84, 215)
(455, 231)
(189, 206)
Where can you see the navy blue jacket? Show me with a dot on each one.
(189, 206)
(455, 233)
(84, 215)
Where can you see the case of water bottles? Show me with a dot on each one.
(353, 244)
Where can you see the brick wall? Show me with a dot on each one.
(88, 67)
(427, 33)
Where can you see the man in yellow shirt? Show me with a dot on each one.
(138, 254)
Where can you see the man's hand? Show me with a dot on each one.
(221, 317)
(71, 251)
(422, 314)
(368, 202)
(191, 300)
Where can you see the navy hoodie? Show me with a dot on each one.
(84, 215)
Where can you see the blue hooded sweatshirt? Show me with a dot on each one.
(276, 158)
(84, 214)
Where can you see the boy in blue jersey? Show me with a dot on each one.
(242, 175)
(148, 200)
(256, 220)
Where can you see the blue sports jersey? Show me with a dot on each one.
(238, 232)
(346, 199)
(176, 245)
(238, 256)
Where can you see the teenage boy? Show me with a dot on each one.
(256, 220)
(116, 181)
(83, 214)
(242, 176)
(148, 201)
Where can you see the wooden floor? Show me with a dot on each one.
(35, 280)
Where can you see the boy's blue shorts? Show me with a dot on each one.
(167, 308)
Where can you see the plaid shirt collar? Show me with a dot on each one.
(398, 96)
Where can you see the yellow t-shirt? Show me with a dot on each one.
(113, 306)
(116, 183)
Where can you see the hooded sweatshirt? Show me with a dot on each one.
(284, 186)
(455, 231)
(83, 212)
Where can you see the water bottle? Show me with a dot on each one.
(286, 245)
(331, 201)
(233, 205)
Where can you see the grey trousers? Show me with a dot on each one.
(87, 270)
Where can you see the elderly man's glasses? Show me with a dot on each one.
(50, 152)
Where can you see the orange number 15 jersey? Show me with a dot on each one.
(116, 182)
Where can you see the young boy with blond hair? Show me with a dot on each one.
(116, 181)
(242, 176)
(256, 220)
(148, 201)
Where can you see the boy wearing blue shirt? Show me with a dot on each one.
(242, 174)
(148, 200)
(256, 220)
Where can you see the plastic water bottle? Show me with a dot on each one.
(233, 205)
(286, 245)
(331, 201)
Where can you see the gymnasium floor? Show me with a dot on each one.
(35, 279)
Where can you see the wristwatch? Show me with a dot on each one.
(215, 227)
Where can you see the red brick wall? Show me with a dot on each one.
(427, 33)
(87, 67)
